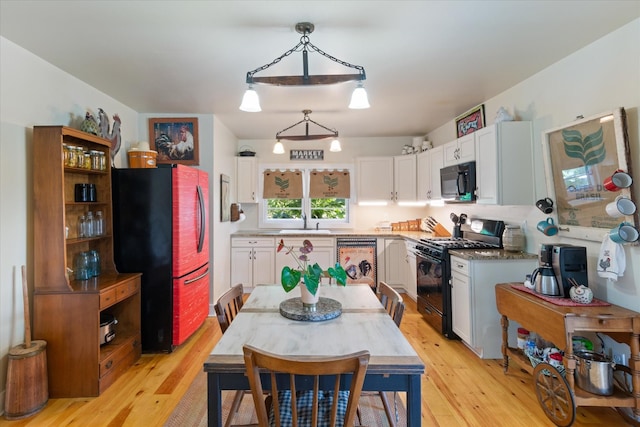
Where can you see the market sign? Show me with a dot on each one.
(306, 155)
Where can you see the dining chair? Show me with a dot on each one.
(392, 302)
(227, 307)
(315, 406)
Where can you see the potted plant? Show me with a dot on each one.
(310, 274)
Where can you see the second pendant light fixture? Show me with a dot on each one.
(278, 148)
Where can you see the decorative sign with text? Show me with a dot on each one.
(470, 121)
(306, 155)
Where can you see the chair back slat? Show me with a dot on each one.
(392, 302)
(228, 306)
(257, 361)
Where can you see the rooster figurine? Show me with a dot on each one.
(115, 138)
(89, 124)
(113, 135)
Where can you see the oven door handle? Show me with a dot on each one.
(427, 258)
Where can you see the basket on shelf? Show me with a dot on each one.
(535, 360)
(246, 151)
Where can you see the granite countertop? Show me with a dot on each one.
(489, 254)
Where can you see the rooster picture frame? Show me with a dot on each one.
(578, 158)
(175, 139)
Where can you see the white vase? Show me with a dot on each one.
(309, 301)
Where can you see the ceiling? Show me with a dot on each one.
(426, 61)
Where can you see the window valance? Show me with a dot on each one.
(329, 184)
(282, 185)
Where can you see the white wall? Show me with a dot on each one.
(33, 92)
(596, 79)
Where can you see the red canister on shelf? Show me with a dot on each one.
(523, 335)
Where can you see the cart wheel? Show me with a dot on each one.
(554, 395)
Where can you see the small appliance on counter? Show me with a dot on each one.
(560, 265)
(570, 265)
(543, 278)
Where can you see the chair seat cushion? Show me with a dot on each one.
(304, 406)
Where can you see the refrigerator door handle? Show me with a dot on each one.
(195, 279)
(202, 219)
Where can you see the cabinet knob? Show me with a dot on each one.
(109, 364)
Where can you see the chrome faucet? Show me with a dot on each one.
(317, 225)
(304, 219)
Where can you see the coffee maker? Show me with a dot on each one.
(569, 262)
(544, 278)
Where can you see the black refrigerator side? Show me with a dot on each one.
(142, 226)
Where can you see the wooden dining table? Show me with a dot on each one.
(362, 325)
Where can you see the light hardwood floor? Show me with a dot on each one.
(458, 389)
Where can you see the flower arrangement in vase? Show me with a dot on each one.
(310, 274)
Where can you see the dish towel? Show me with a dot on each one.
(611, 260)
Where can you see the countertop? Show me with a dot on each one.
(489, 254)
(470, 254)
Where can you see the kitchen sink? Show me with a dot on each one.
(301, 231)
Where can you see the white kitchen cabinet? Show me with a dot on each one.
(404, 178)
(374, 179)
(395, 264)
(324, 253)
(461, 150)
(252, 261)
(412, 280)
(429, 164)
(504, 164)
(247, 179)
(475, 317)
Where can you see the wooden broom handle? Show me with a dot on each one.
(25, 299)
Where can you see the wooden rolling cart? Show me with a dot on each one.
(558, 395)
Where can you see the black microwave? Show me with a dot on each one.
(458, 183)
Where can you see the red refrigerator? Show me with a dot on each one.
(161, 228)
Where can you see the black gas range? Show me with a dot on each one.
(433, 265)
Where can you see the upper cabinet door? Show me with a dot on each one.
(247, 179)
(436, 163)
(461, 150)
(504, 164)
(404, 173)
(423, 176)
(374, 178)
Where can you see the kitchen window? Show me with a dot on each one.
(283, 207)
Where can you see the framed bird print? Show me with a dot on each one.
(580, 160)
(175, 139)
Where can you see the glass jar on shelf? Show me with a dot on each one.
(71, 156)
(103, 160)
(95, 160)
(82, 221)
(79, 157)
(99, 224)
(89, 223)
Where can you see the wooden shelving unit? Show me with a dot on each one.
(67, 311)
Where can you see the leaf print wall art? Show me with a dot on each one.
(578, 158)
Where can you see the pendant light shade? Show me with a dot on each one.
(250, 101)
(278, 148)
(335, 146)
(359, 98)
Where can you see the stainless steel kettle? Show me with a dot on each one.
(545, 282)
